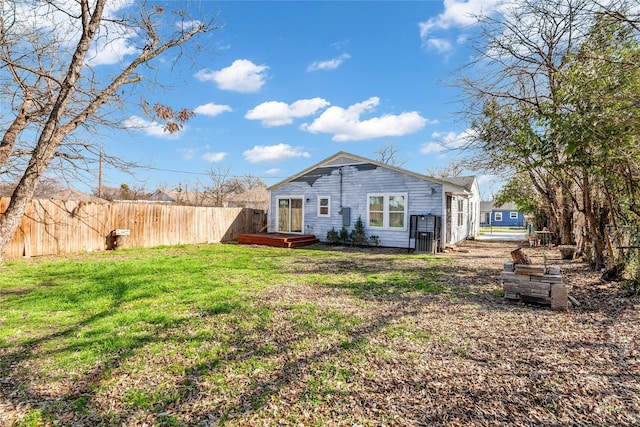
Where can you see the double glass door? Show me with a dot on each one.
(290, 215)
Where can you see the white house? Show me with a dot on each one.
(398, 206)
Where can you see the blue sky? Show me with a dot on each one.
(284, 85)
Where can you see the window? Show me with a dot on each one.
(513, 215)
(460, 212)
(324, 206)
(387, 211)
(498, 216)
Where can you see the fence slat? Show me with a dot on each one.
(54, 227)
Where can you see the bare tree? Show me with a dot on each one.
(556, 102)
(47, 186)
(520, 53)
(221, 183)
(193, 194)
(453, 169)
(124, 192)
(49, 77)
(251, 181)
(388, 154)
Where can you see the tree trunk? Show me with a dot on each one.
(54, 131)
(51, 135)
(25, 189)
(11, 134)
(555, 212)
(566, 225)
(597, 237)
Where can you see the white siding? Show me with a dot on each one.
(470, 218)
(474, 220)
(357, 182)
(459, 229)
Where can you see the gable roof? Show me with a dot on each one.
(490, 206)
(161, 196)
(256, 194)
(195, 198)
(465, 182)
(71, 194)
(198, 198)
(486, 206)
(344, 158)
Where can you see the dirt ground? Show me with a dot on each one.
(484, 361)
(460, 357)
(535, 366)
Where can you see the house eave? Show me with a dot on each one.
(359, 159)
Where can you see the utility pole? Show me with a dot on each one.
(100, 176)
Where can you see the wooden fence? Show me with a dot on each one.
(53, 227)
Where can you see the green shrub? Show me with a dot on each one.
(333, 236)
(357, 236)
(344, 235)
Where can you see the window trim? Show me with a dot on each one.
(386, 211)
(460, 212)
(513, 215)
(328, 214)
(497, 217)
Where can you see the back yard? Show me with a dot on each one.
(232, 335)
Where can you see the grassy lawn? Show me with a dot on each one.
(105, 336)
(236, 335)
(498, 229)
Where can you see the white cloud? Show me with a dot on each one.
(339, 45)
(346, 125)
(489, 186)
(214, 157)
(241, 76)
(331, 64)
(211, 109)
(149, 128)
(462, 39)
(441, 45)
(273, 153)
(111, 51)
(487, 179)
(446, 141)
(431, 147)
(274, 113)
(458, 13)
(189, 153)
(272, 171)
(188, 25)
(113, 40)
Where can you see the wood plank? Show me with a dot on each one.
(530, 270)
(554, 270)
(277, 240)
(559, 298)
(508, 266)
(58, 227)
(520, 257)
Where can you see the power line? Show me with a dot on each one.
(207, 174)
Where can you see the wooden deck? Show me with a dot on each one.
(278, 240)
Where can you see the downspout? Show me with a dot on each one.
(340, 172)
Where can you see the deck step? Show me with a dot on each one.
(278, 239)
(302, 242)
